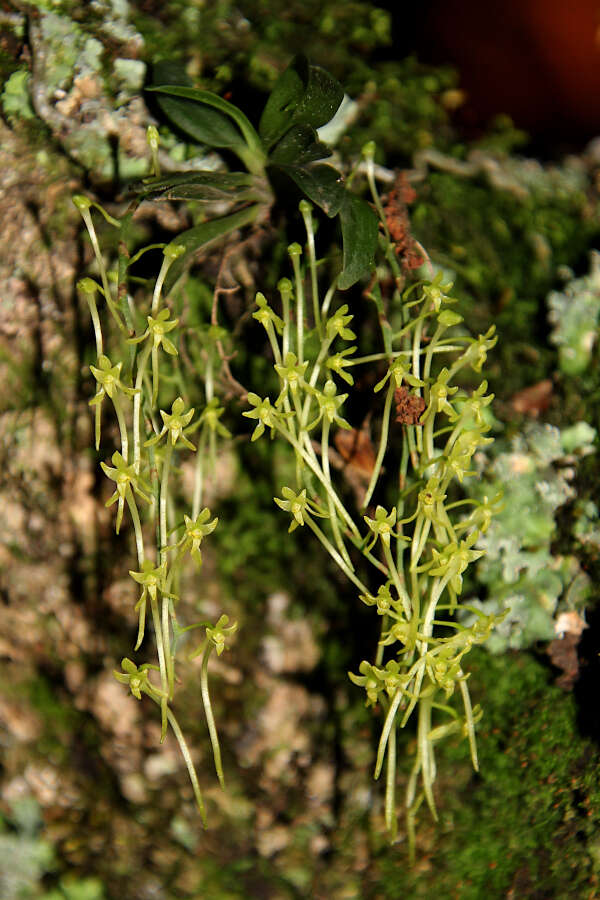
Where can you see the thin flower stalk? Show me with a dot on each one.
(171, 253)
(164, 494)
(189, 763)
(285, 289)
(316, 469)
(349, 573)
(122, 425)
(199, 473)
(84, 205)
(137, 405)
(137, 527)
(89, 288)
(210, 719)
(383, 444)
(295, 252)
(162, 663)
(306, 213)
(391, 819)
(330, 502)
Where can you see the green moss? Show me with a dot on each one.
(59, 717)
(243, 878)
(529, 821)
(256, 36)
(402, 108)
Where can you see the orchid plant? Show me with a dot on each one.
(143, 470)
(408, 555)
(410, 538)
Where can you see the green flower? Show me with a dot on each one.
(158, 328)
(266, 316)
(384, 600)
(486, 510)
(337, 363)
(195, 531)
(400, 372)
(459, 460)
(482, 514)
(382, 525)
(371, 679)
(452, 561)
(476, 353)
(446, 672)
(172, 252)
(329, 403)
(266, 414)
(391, 677)
(294, 503)
(437, 292)
(173, 425)
(399, 633)
(221, 631)
(108, 379)
(136, 679)
(125, 478)
(291, 374)
(299, 505)
(337, 324)
(438, 396)
(109, 384)
(210, 416)
(151, 578)
(472, 408)
(429, 498)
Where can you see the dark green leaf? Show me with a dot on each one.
(201, 235)
(287, 93)
(303, 95)
(298, 146)
(321, 101)
(359, 237)
(203, 186)
(321, 184)
(214, 116)
(203, 124)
